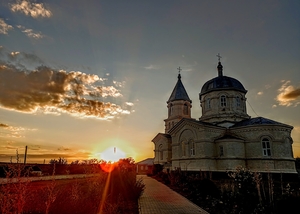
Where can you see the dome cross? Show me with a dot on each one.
(219, 57)
(179, 69)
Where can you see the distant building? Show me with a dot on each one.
(145, 166)
(225, 136)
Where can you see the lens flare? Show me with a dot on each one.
(112, 154)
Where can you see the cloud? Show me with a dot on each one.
(260, 93)
(4, 28)
(63, 149)
(57, 91)
(268, 86)
(129, 103)
(105, 91)
(13, 131)
(3, 125)
(151, 67)
(288, 94)
(34, 10)
(30, 33)
(118, 84)
(22, 57)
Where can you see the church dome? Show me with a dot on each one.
(222, 83)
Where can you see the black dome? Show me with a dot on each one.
(222, 83)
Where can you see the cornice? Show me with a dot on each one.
(260, 127)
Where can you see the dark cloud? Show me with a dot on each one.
(292, 94)
(3, 125)
(24, 58)
(55, 91)
(63, 149)
(288, 94)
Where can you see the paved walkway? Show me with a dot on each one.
(160, 199)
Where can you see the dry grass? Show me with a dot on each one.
(72, 196)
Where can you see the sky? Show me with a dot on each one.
(90, 79)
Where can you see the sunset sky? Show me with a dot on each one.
(80, 78)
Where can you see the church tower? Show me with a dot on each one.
(223, 100)
(179, 105)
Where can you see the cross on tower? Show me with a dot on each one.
(179, 69)
(219, 57)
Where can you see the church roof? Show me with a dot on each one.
(179, 92)
(222, 82)
(257, 121)
(160, 135)
(148, 161)
(192, 120)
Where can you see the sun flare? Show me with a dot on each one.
(112, 154)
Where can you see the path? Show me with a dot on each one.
(160, 199)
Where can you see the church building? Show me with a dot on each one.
(225, 136)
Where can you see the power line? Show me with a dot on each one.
(252, 108)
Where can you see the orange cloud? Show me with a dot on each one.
(56, 91)
(4, 28)
(31, 33)
(34, 10)
(12, 131)
(288, 94)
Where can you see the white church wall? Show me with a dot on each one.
(225, 164)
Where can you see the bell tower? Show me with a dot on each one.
(179, 105)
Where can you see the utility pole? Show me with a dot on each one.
(25, 155)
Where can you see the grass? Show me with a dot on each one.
(111, 192)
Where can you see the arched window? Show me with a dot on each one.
(266, 148)
(223, 101)
(192, 148)
(170, 110)
(185, 109)
(221, 150)
(161, 152)
(238, 101)
(208, 103)
(183, 149)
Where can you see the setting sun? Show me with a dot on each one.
(112, 154)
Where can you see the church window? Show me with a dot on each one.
(266, 148)
(208, 103)
(238, 101)
(161, 152)
(170, 110)
(142, 167)
(183, 149)
(185, 109)
(221, 150)
(192, 147)
(223, 101)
